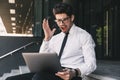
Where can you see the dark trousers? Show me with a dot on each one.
(38, 76)
(27, 76)
(50, 76)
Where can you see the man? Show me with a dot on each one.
(78, 56)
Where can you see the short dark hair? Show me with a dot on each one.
(63, 8)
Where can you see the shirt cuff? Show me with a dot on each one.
(44, 46)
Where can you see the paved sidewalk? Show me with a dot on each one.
(108, 68)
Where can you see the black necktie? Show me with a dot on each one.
(63, 45)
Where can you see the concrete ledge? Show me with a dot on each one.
(106, 70)
(101, 77)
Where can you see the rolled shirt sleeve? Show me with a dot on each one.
(89, 64)
(44, 47)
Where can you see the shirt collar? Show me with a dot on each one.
(72, 29)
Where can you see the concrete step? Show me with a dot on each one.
(89, 78)
(24, 69)
(5, 75)
(21, 70)
(12, 73)
(103, 77)
(15, 72)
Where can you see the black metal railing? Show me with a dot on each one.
(13, 51)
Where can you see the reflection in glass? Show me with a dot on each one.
(2, 28)
(16, 17)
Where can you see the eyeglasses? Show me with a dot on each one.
(64, 20)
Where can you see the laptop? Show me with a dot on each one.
(42, 62)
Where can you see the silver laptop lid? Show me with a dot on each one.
(44, 62)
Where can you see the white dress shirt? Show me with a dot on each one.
(78, 52)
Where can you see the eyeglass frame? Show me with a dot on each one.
(62, 20)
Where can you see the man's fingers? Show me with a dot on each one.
(64, 75)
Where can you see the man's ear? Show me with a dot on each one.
(72, 18)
